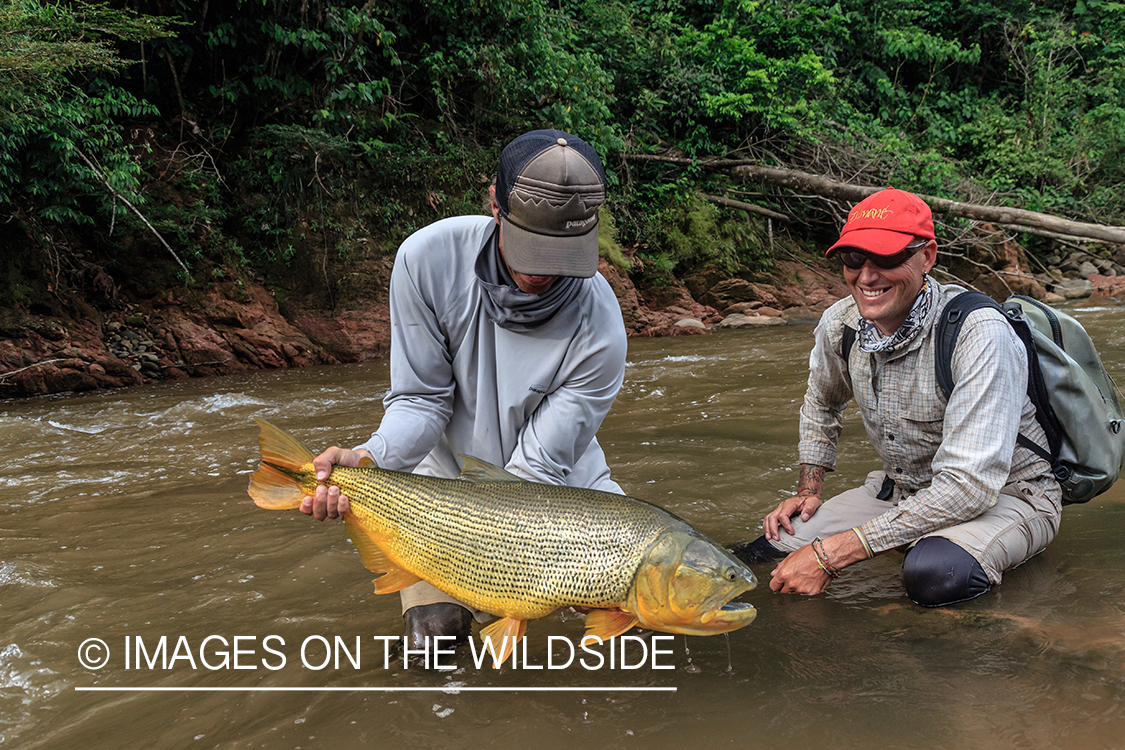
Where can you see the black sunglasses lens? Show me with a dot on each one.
(855, 260)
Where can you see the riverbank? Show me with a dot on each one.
(236, 324)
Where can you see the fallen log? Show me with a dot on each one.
(1031, 221)
(719, 200)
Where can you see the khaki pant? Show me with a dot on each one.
(423, 593)
(1023, 522)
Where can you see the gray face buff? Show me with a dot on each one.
(510, 307)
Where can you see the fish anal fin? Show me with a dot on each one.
(476, 470)
(273, 489)
(503, 634)
(608, 623)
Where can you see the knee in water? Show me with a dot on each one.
(758, 551)
(937, 572)
(440, 618)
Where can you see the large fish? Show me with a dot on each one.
(520, 550)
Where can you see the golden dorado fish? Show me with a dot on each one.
(521, 550)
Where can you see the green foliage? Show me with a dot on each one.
(399, 109)
(608, 246)
(61, 145)
(680, 232)
(279, 62)
(778, 88)
(41, 43)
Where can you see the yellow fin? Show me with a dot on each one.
(395, 580)
(272, 488)
(504, 633)
(608, 623)
(476, 470)
(281, 449)
(366, 462)
(375, 560)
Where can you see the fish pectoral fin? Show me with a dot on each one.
(608, 623)
(375, 559)
(370, 553)
(395, 580)
(476, 470)
(503, 635)
(366, 462)
(272, 488)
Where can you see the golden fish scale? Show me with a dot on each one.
(509, 548)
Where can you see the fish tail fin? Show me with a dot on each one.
(281, 449)
(272, 485)
(272, 488)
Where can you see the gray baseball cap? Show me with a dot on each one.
(549, 186)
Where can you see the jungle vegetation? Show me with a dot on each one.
(201, 139)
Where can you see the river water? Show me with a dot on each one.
(125, 519)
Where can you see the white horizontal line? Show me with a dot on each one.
(446, 689)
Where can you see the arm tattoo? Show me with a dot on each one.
(811, 481)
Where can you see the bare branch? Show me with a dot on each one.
(133, 208)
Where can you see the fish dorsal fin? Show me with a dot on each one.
(608, 623)
(477, 470)
(375, 560)
(366, 462)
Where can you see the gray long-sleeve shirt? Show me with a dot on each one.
(530, 401)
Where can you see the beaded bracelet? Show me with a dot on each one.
(824, 563)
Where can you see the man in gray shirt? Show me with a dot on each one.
(506, 345)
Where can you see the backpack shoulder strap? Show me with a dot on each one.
(949, 328)
(1036, 386)
(847, 343)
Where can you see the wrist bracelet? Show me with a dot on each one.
(824, 563)
(863, 541)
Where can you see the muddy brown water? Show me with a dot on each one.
(125, 519)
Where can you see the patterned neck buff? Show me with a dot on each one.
(871, 340)
(506, 304)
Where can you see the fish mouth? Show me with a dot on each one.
(731, 616)
(734, 615)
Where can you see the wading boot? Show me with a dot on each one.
(424, 622)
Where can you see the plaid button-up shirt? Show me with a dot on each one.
(949, 460)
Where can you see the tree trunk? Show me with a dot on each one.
(1020, 219)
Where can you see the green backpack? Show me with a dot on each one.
(1075, 399)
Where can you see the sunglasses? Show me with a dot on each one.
(855, 259)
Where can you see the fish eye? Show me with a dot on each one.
(731, 576)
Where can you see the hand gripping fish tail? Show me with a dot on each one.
(521, 550)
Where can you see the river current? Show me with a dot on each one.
(125, 519)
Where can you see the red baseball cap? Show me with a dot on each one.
(885, 222)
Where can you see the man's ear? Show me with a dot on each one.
(495, 205)
(930, 254)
